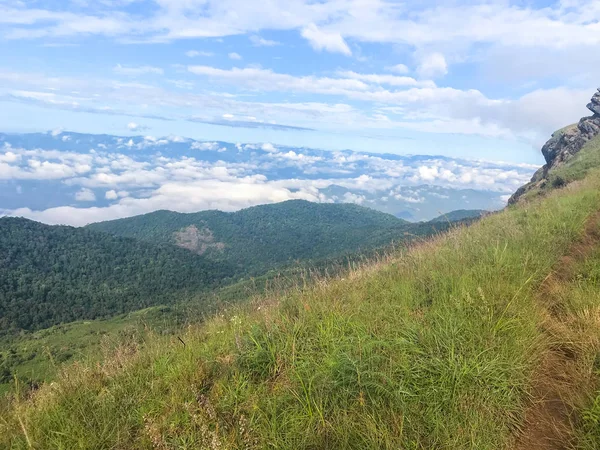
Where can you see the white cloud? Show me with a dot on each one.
(111, 195)
(261, 42)
(133, 126)
(553, 25)
(235, 56)
(204, 146)
(325, 40)
(85, 195)
(9, 157)
(432, 65)
(391, 80)
(141, 182)
(399, 68)
(137, 70)
(268, 147)
(350, 197)
(196, 53)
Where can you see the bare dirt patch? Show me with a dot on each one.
(197, 240)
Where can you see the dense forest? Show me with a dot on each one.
(56, 274)
(260, 238)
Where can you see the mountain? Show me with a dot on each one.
(460, 215)
(57, 274)
(569, 154)
(264, 237)
(483, 338)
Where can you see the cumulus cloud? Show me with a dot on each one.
(146, 180)
(133, 126)
(111, 195)
(204, 146)
(234, 56)
(432, 65)
(268, 147)
(399, 68)
(85, 195)
(329, 41)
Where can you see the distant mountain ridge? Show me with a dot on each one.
(58, 274)
(460, 214)
(265, 236)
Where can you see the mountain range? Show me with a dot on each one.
(58, 274)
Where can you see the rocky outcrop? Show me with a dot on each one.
(594, 105)
(563, 145)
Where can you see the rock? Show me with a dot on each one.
(563, 145)
(594, 105)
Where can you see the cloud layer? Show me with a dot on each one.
(107, 177)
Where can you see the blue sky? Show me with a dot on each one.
(75, 179)
(488, 79)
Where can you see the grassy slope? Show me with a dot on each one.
(434, 349)
(36, 357)
(579, 308)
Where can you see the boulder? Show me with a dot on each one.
(594, 105)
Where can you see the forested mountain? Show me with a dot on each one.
(263, 237)
(56, 274)
(460, 214)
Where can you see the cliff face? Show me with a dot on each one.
(563, 145)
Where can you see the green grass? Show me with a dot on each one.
(36, 357)
(434, 348)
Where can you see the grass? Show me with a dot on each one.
(431, 348)
(578, 306)
(36, 357)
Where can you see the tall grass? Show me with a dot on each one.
(578, 308)
(434, 348)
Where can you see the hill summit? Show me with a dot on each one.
(562, 147)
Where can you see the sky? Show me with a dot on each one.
(75, 179)
(481, 80)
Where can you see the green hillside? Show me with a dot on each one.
(484, 338)
(263, 237)
(68, 276)
(460, 215)
(55, 274)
